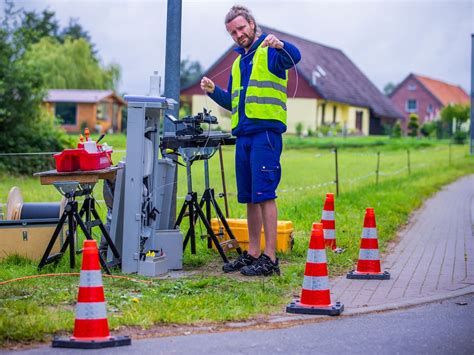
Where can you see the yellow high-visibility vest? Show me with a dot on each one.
(266, 93)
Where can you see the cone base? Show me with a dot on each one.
(332, 310)
(91, 344)
(366, 276)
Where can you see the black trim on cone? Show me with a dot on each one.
(361, 276)
(296, 307)
(91, 344)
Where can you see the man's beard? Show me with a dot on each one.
(249, 39)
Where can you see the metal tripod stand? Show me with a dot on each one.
(195, 208)
(71, 190)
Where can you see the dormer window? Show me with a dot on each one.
(315, 76)
(320, 70)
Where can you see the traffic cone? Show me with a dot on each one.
(91, 328)
(368, 265)
(329, 224)
(315, 294)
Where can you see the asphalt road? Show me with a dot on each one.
(445, 327)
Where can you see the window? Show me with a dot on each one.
(103, 111)
(320, 70)
(359, 115)
(314, 77)
(115, 109)
(429, 109)
(411, 105)
(66, 111)
(411, 87)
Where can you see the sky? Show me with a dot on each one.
(386, 39)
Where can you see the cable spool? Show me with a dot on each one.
(16, 209)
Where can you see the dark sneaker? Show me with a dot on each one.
(263, 266)
(244, 259)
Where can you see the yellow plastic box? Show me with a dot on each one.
(239, 229)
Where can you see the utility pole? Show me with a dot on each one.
(172, 79)
(471, 144)
(173, 58)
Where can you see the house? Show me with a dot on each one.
(425, 97)
(325, 89)
(99, 110)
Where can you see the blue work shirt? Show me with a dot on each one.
(278, 62)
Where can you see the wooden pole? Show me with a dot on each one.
(378, 169)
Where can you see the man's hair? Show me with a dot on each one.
(239, 10)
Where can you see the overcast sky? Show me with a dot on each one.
(386, 39)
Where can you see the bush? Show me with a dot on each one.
(397, 130)
(459, 137)
(428, 129)
(324, 129)
(299, 129)
(387, 129)
(39, 136)
(413, 125)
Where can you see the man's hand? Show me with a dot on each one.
(207, 85)
(272, 42)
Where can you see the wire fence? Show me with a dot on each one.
(341, 169)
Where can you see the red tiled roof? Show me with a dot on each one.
(339, 79)
(444, 92)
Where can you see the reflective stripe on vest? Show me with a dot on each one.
(266, 94)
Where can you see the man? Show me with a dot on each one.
(256, 96)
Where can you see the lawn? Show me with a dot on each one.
(34, 309)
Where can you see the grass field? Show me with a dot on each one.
(35, 309)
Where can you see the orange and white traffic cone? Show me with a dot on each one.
(329, 224)
(91, 328)
(368, 265)
(315, 294)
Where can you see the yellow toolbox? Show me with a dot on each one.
(239, 229)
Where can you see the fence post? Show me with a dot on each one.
(224, 188)
(408, 161)
(337, 173)
(449, 153)
(378, 169)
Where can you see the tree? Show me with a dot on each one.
(33, 27)
(24, 127)
(75, 31)
(70, 65)
(190, 72)
(413, 125)
(388, 89)
(455, 115)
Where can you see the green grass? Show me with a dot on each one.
(33, 310)
(377, 142)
